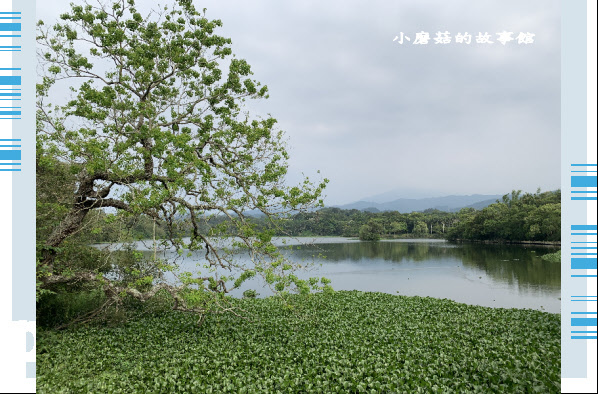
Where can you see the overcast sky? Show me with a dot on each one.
(374, 115)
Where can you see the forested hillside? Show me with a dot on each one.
(516, 217)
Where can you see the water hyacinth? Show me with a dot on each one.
(337, 342)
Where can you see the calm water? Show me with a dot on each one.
(506, 276)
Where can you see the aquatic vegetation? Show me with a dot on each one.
(340, 342)
(552, 257)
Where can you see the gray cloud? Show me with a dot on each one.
(374, 115)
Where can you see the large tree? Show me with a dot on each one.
(155, 125)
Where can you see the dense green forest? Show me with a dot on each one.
(517, 217)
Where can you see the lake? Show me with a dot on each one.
(504, 276)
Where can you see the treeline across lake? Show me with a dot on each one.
(369, 225)
(516, 217)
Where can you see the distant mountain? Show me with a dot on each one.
(406, 205)
(483, 204)
(397, 194)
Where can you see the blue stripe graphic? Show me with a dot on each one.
(584, 181)
(10, 80)
(581, 264)
(584, 227)
(10, 155)
(583, 321)
(10, 27)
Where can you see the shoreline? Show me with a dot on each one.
(487, 241)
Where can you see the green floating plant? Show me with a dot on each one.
(328, 342)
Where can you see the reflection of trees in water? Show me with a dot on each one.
(512, 264)
(388, 251)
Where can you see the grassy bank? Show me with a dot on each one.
(344, 342)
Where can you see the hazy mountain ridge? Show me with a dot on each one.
(406, 205)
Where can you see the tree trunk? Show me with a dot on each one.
(71, 223)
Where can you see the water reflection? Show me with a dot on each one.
(511, 264)
(510, 276)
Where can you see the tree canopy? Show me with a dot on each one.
(156, 126)
(518, 217)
